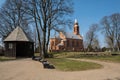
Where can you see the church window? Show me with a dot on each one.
(77, 44)
(67, 43)
(52, 43)
(74, 29)
(73, 43)
(78, 30)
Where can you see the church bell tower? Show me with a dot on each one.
(76, 28)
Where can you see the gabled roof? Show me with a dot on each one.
(73, 36)
(57, 36)
(18, 35)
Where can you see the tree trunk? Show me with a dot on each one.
(38, 33)
(44, 44)
(118, 46)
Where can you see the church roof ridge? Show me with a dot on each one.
(72, 35)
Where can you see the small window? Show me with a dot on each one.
(73, 43)
(77, 44)
(52, 43)
(67, 43)
(10, 45)
(31, 46)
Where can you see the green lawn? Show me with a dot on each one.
(2, 58)
(72, 65)
(104, 56)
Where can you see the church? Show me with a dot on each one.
(67, 41)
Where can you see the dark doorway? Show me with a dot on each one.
(24, 49)
(21, 49)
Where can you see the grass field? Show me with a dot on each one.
(104, 56)
(72, 65)
(2, 58)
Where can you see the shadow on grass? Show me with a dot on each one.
(3, 58)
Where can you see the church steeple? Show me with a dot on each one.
(76, 28)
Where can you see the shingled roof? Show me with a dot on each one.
(18, 35)
(73, 36)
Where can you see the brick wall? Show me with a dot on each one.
(69, 45)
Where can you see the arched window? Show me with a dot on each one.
(52, 43)
(74, 29)
(68, 43)
(73, 43)
(77, 44)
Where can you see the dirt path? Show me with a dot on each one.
(110, 71)
(26, 69)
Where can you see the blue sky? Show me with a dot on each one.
(1, 2)
(88, 12)
(92, 11)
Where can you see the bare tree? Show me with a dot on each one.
(49, 15)
(111, 27)
(46, 15)
(108, 31)
(115, 20)
(13, 14)
(91, 38)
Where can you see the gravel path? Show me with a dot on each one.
(26, 69)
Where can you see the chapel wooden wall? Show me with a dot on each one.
(19, 49)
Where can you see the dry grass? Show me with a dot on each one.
(105, 56)
(3, 58)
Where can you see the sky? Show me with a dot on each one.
(92, 11)
(88, 12)
(1, 2)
